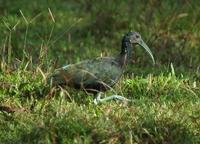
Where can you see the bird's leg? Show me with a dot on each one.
(98, 99)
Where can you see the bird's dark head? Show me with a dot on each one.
(135, 38)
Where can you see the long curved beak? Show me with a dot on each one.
(143, 44)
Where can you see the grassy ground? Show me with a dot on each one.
(37, 37)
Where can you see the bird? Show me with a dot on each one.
(102, 73)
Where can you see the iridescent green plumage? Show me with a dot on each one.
(92, 75)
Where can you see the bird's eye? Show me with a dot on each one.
(137, 36)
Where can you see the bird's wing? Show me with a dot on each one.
(103, 69)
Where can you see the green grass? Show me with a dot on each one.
(37, 37)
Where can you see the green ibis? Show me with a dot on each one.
(102, 73)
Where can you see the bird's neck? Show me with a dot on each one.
(126, 52)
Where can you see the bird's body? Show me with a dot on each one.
(100, 74)
(91, 75)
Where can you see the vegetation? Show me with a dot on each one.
(38, 36)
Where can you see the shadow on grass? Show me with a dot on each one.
(155, 132)
(67, 131)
